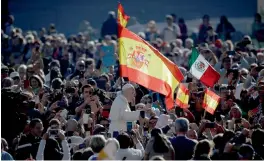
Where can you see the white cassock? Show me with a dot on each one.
(120, 114)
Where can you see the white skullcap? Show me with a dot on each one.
(127, 86)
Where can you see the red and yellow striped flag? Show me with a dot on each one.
(122, 17)
(253, 112)
(145, 65)
(211, 101)
(182, 99)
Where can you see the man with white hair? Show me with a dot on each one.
(183, 146)
(120, 112)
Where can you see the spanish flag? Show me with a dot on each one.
(182, 99)
(211, 101)
(253, 112)
(122, 17)
(145, 65)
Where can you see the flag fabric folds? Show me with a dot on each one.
(145, 65)
(202, 70)
(211, 101)
(253, 112)
(182, 98)
(108, 152)
(122, 17)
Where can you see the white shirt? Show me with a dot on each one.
(65, 148)
(130, 153)
(120, 114)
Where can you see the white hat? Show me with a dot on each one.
(75, 140)
(14, 74)
(127, 86)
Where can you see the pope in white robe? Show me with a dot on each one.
(120, 112)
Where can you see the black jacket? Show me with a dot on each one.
(27, 145)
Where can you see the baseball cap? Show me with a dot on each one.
(14, 74)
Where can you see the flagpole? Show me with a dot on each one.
(205, 109)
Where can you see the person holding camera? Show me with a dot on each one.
(49, 148)
(126, 152)
(90, 101)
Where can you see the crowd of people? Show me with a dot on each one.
(60, 101)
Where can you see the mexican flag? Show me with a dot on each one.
(202, 70)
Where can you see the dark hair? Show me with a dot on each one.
(203, 147)
(54, 63)
(206, 17)
(223, 20)
(105, 76)
(87, 154)
(246, 151)
(258, 17)
(55, 73)
(160, 144)
(34, 122)
(181, 20)
(57, 83)
(257, 138)
(99, 130)
(228, 135)
(77, 156)
(54, 122)
(7, 82)
(89, 62)
(124, 140)
(52, 150)
(218, 141)
(86, 86)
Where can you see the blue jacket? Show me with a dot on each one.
(183, 147)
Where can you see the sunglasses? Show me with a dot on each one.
(16, 78)
(152, 122)
(30, 72)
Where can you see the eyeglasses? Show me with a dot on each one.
(31, 72)
(90, 92)
(152, 122)
(16, 78)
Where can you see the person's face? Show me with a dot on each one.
(87, 92)
(37, 130)
(34, 83)
(105, 123)
(260, 58)
(22, 74)
(210, 32)
(140, 107)
(227, 63)
(192, 134)
(152, 123)
(253, 72)
(235, 113)
(16, 80)
(131, 93)
(37, 66)
(66, 55)
(80, 66)
(243, 76)
(169, 21)
(90, 68)
(205, 21)
(188, 44)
